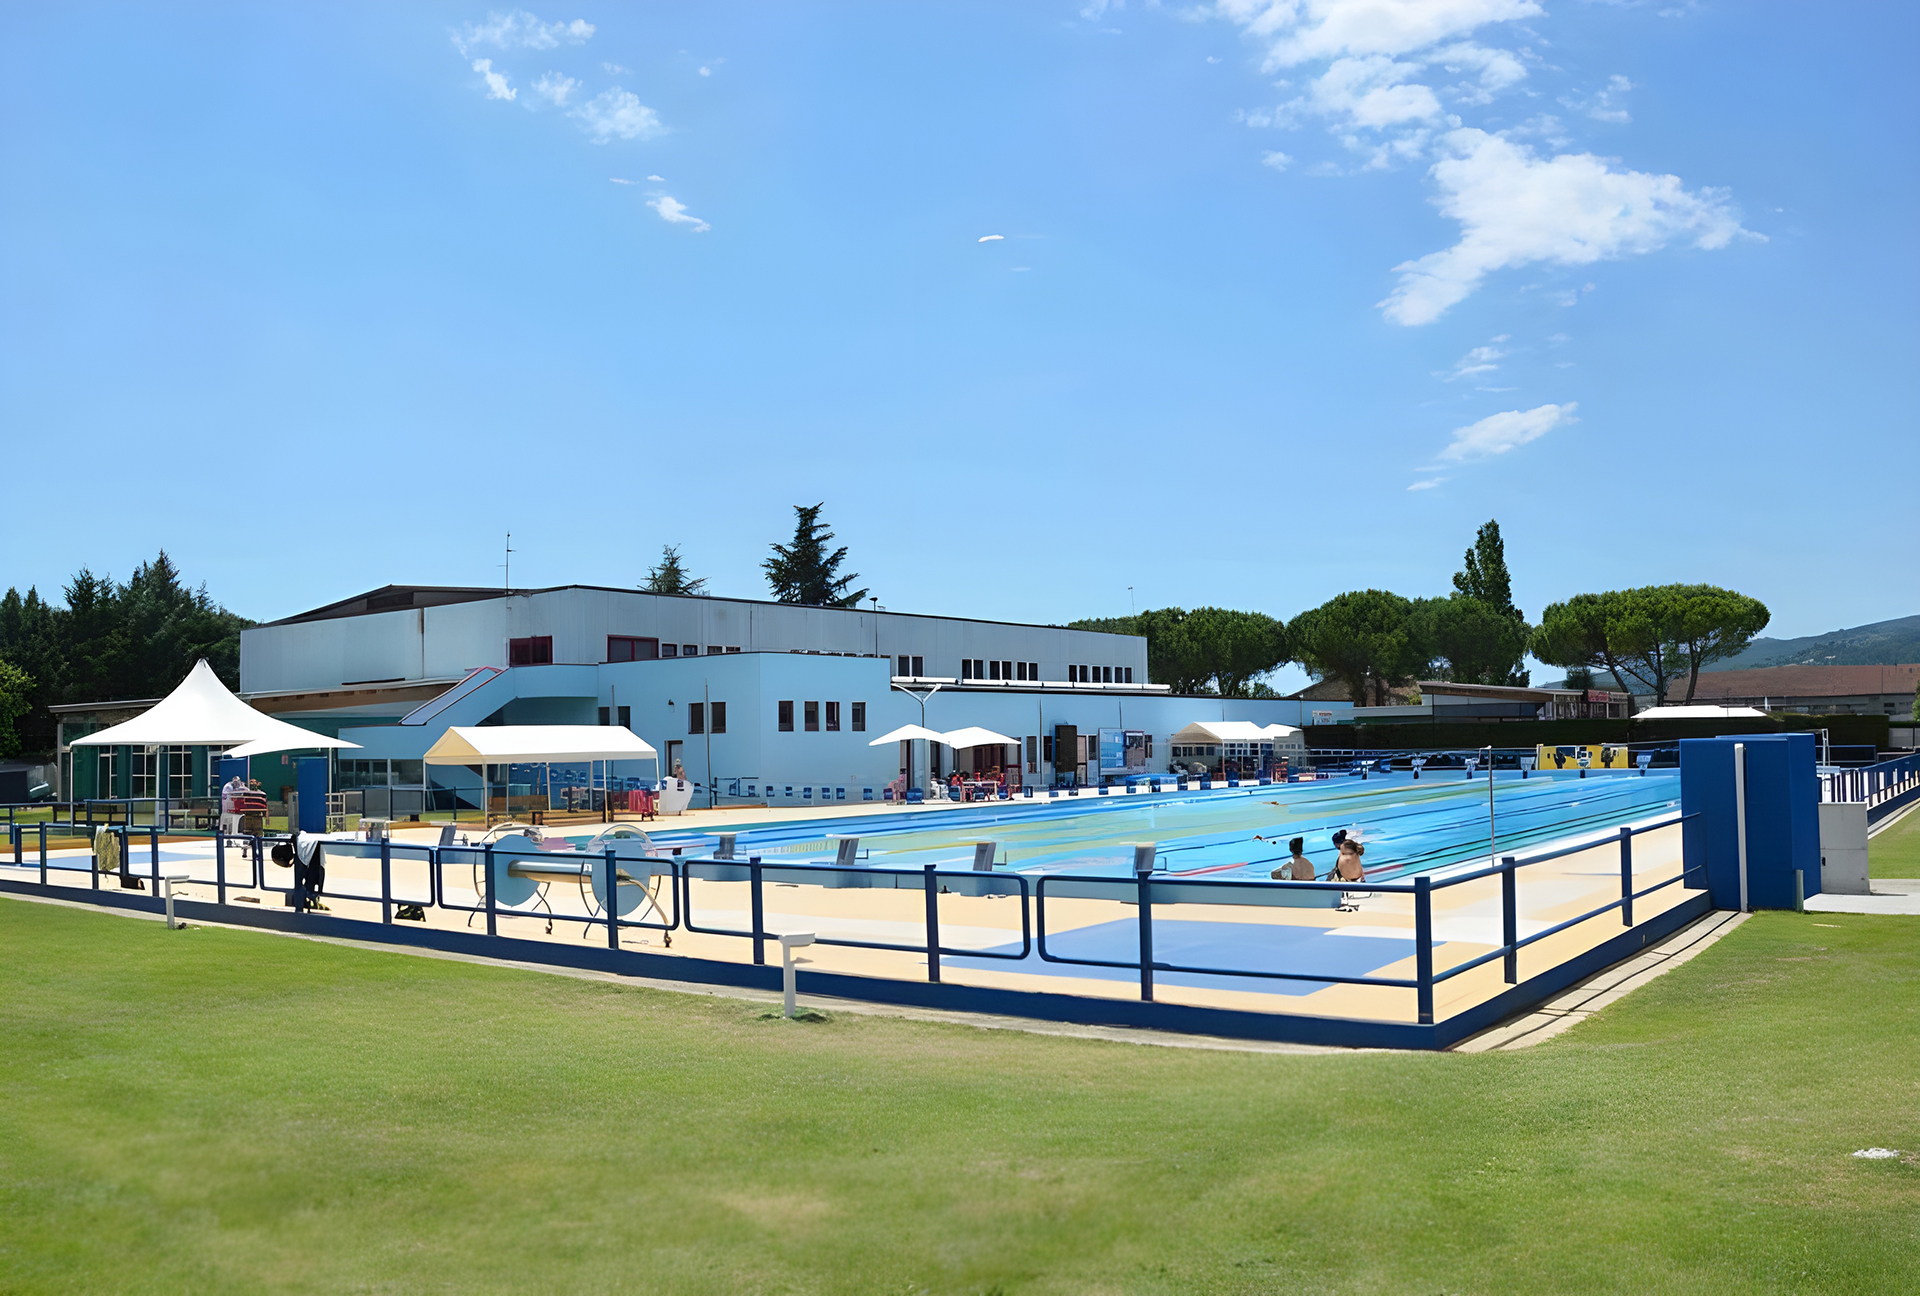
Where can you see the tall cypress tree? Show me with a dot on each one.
(804, 572)
(1484, 575)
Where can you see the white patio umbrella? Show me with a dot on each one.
(973, 736)
(906, 733)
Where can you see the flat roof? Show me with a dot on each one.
(398, 598)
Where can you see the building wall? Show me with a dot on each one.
(448, 641)
(658, 693)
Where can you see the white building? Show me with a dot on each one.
(760, 701)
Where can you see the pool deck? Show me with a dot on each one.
(1374, 939)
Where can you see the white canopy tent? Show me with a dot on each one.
(547, 745)
(973, 736)
(1218, 736)
(1701, 711)
(907, 733)
(202, 712)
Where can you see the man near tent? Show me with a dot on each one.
(229, 806)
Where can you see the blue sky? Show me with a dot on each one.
(1287, 299)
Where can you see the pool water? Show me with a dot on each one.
(1408, 826)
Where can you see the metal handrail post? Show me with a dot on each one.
(613, 905)
(93, 850)
(43, 854)
(1146, 936)
(753, 891)
(933, 925)
(492, 930)
(153, 850)
(1423, 945)
(1510, 918)
(386, 880)
(220, 867)
(1626, 876)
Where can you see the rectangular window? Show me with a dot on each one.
(689, 650)
(859, 716)
(696, 718)
(1033, 754)
(626, 717)
(966, 669)
(530, 652)
(734, 648)
(669, 650)
(833, 717)
(1019, 670)
(1129, 674)
(719, 717)
(179, 772)
(906, 666)
(1006, 670)
(1106, 674)
(919, 668)
(1046, 748)
(993, 670)
(626, 648)
(786, 717)
(606, 716)
(813, 717)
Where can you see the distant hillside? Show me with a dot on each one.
(1884, 643)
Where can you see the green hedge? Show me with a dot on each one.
(1841, 730)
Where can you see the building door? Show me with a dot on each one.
(673, 757)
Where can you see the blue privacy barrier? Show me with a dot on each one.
(1780, 835)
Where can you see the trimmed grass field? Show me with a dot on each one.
(210, 1110)
(1895, 852)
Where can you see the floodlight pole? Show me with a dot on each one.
(921, 698)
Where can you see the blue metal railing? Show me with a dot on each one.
(601, 875)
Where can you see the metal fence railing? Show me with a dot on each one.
(621, 889)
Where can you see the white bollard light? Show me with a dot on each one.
(167, 884)
(788, 944)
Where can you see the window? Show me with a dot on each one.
(179, 772)
(1129, 674)
(1019, 670)
(626, 648)
(103, 772)
(966, 669)
(689, 650)
(734, 648)
(143, 784)
(859, 717)
(993, 670)
(606, 716)
(719, 717)
(919, 669)
(1106, 674)
(626, 717)
(813, 717)
(530, 652)
(669, 650)
(833, 717)
(1046, 748)
(1033, 754)
(786, 717)
(696, 718)
(906, 665)
(1006, 670)
(1033, 670)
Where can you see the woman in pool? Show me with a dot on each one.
(1349, 867)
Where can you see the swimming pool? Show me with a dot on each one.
(1409, 826)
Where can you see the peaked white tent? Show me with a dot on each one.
(1225, 731)
(906, 733)
(973, 736)
(203, 712)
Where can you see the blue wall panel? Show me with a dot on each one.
(1783, 827)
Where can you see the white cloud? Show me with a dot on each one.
(1516, 208)
(706, 71)
(614, 69)
(655, 177)
(1497, 69)
(1482, 359)
(497, 87)
(990, 238)
(519, 29)
(1275, 159)
(618, 114)
(674, 212)
(618, 180)
(1373, 92)
(1498, 433)
(1297, 31)
(1428, 484)
(1606, 105)
(556, 89)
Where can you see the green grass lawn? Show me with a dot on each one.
(211, 1110)
(1895, 853)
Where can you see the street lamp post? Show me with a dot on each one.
(921, 698)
